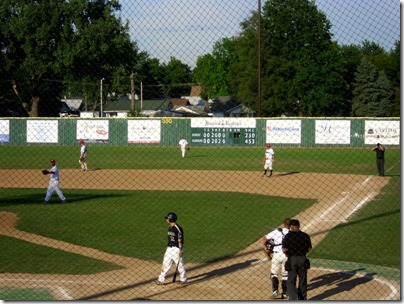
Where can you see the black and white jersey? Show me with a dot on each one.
(174, 233)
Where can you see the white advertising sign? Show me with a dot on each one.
(144, 131)
(386, 132)
(42, 131)
(4, 130)
(333, 132)
(284, 131)
(92, 130)
(217, 122)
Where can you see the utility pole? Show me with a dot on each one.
(132, 93)
(259, 60)
(101, 101)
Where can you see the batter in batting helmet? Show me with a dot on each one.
(171, 217)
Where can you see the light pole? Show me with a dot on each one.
(259, 60)
(102, 79)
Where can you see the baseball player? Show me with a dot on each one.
(54, 183)
(174, 251)
(83, 156)
(183, 145)
(269, 159)
(279, 258)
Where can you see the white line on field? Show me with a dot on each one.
(369, 197)
(64, 293)
(393, 294)
(336, 203)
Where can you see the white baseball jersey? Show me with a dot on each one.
(183, 142)
(269, 153)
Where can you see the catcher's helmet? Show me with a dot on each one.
(171, 217)
(268, 146)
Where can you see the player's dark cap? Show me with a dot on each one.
(81, 142)
(268, 146)
(53, 161)
(171, 216)
(295, 222)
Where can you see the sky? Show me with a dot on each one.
(186, 29)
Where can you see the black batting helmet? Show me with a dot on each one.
(171, 217)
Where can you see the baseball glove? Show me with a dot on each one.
(269, 250)
(45, 172)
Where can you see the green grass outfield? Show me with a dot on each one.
(130, 222)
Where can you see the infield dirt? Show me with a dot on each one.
(244, 276)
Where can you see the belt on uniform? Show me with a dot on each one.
(172, 246)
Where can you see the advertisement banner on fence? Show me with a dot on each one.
(4, 131)
(284, 131)
(144, 131)
(333, 132)
(42, 131)
(93, 130)
(386, 132)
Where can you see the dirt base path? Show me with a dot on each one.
(242, 277)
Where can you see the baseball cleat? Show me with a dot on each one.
(160, 283)
(274, 294)
(284, 296)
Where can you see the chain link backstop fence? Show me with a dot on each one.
(123, 202)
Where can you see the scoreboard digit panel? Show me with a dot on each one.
(223, 132)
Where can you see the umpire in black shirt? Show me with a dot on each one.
(296, 245)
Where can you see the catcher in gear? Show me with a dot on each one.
(272, 242)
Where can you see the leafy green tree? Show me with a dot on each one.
(297, 33)
(211, 70)
(78, 42)
(373, 92)
(177, 78)
(243, 72)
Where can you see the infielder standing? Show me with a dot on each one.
(54, 183)
(278, 259)
(174, 251)
(83, 156)
(269, 158)
(183, 145)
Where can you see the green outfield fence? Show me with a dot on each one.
(166, 132)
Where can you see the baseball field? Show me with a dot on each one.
(107, 242)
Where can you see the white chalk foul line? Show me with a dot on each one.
(338, 202)
(64, 293)
(368, 198)
(393, 294)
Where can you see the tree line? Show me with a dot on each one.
(51, 49)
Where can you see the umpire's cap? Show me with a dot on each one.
(171, 217)
(295, 222)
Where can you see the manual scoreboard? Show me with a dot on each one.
(223, 132)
